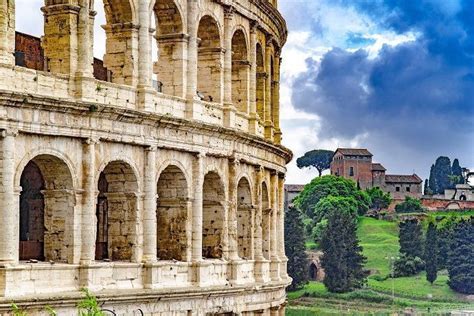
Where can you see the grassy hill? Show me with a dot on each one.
(379, 240)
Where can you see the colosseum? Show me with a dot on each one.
(162, 197)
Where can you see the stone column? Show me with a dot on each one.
(276, 99)
(258, 215)
(84, 41)
(198, 181)
(274, 255)
(7, 32)
(253, 123)
(89, 220)
(232, 209)
(281, 227)
(149, 207)
(192, 22)
(144, 48)
(9, 204)
(60, 37)
(268, 92)
(229, 109)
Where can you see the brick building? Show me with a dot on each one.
(356, 164)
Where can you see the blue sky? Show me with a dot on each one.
(394, 76)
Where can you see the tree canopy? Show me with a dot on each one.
(410, 205)
(379, 199)
(319, 159)
(444, 176)
(322, 187)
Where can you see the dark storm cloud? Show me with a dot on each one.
(417, 97)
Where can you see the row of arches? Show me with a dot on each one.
(168, 70)
(48, 205)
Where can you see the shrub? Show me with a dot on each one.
(410, 205)
(407, 266)
(379, 199)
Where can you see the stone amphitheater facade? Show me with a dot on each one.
(168, 202)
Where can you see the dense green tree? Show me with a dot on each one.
(342, 258)
(431, 253)
(445, 233)
(411, 238)
(319, 159)
(432, 180)
(379, 199)
(407, 266)
(461, 257)
(322, 187)
(295, 248)
(410, 205)
(456, 171)
(329, 203)
(426, 188)
(440, 177)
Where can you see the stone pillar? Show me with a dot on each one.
(9, 204)
(276, 99)
(258, 215)
(7, 32)
(275, 205)
(89, 220)
(84, 85)
(232, 209)
(253, 122)
(281, 227)
(60, 40)
(229, 109)
(192, 67)
(198, 181)
(149, 207)
(268, 92)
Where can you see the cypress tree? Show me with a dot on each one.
(432, 180)
(456, 171)
(295, 248)
(410, 238)
(431, 253)
(442, 175)
(461, 257)
(342, 259)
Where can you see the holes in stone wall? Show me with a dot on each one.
(117, 209)
(172, 215)
(210, 60)
(245, 219)
(46, 210)
(213, 216)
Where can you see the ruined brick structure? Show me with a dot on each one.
(356, 164)
(171, 201)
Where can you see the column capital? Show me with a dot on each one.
(229, 12)
(254, 25)
(92, 141)
(269, 40)
(151, 148)
(8, 132)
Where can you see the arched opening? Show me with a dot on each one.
(210, 60)
(261, 77)
(462, 197)
(121, 42)
(28, 48)
(313, 272)
(170, 69)
(212, 216)
(240, 72)
(117, 209)
(172, 215)
(245, 219)
(266, 216)
(46, 210)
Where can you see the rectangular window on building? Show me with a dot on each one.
(408, 189)
(397, 189)
(351, 171)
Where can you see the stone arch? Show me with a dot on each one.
(170, 67)
(47, 204)
(213, 213)
(240, 71)
(260, 80)
(245, 218)
(266, 220)
(172, 214)
(117, 212)
(210, 60)
(313, 271)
